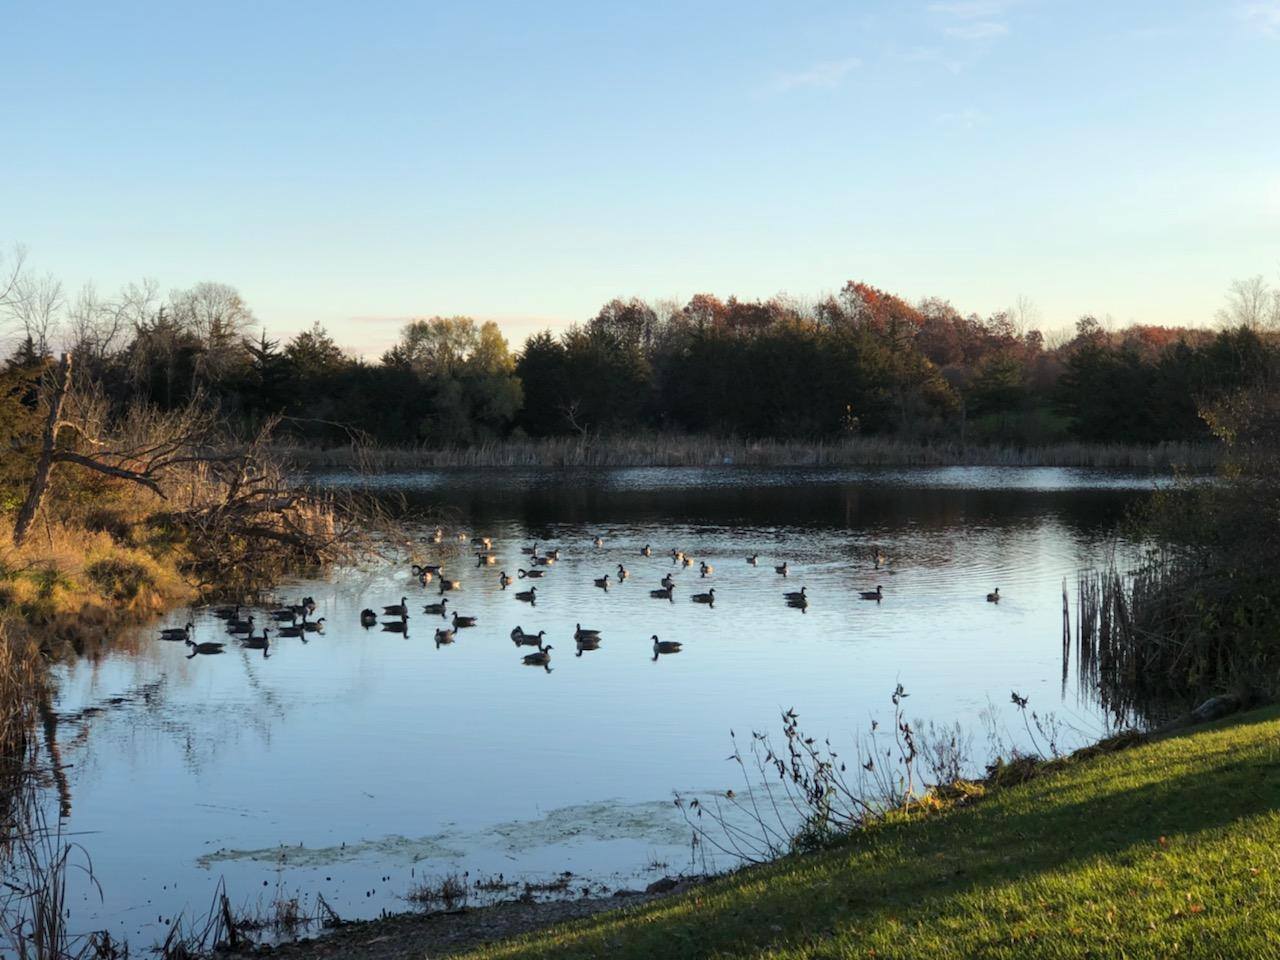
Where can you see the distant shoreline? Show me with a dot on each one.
(705, 452)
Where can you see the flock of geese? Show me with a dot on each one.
(295, 620)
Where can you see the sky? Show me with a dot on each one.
(359, 164)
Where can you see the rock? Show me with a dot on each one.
(1215, 708)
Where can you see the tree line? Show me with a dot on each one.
(861, 361)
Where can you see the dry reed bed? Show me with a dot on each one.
(699, 452)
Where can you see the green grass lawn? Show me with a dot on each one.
(1171, 848)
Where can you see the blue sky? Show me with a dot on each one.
(358, 164)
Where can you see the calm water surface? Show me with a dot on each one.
(360, 761)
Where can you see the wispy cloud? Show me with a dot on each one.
(978, 30)
(825, 74)
(1263, 14)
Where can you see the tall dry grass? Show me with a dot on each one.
(706, 451)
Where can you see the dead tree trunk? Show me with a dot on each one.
(40, 482)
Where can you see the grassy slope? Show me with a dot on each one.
(1170, 848)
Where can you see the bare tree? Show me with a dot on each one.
(34, 304)
(218, 317)
(1251, 303)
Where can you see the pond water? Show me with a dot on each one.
(360, 761)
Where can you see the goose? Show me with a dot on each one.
(782, 569)
(753, 559)
(686, 562)
(664, 646)
(239, 627)
(603, 582)
(460, 621)
(708, 598)
(544, 561)
(314, 626)
(288, 614)
(706, 569)
(587, 643)
(486, 542)
(177, 633)
(553, 555)
(504, 581)
(462, 537)
(227, 613)
(446, 584)
(598, 542)
(397, 609)
(425, 577)
(444, 636)
(396, 626)
(522, 639)
(795, 596)
(676, 555)
(206, 647)
(878, 558)
(877, 594)
(438, 536)
(530, 573)
(539, 659)
(436, 607)
(646, 551)
(623, 573)
(256, 643)
(668, 582)
(530, 551)
(664, 594)
(528, 596)
(579, 633)
(235, 623)
(486, 559)
(994, 597)
(368, 617)
(296, 629)
(428, 569)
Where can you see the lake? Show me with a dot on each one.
(359, 762)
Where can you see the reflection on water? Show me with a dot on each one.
(353, 760)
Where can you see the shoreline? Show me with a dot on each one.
(706, 451)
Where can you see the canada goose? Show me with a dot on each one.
(553, 555)
(177, 633)
(603, 582)
(795, 596)
(579, 633)
(539, 659)
(397, 609)
(994, 597)
(205, 647)
(396, 626)
(664, 594)
(530, 573)
(438, 536)
(686, 562)
(530, 551)
(646, 551)
(239, 627)
(436, 607)
(486, 542)
(664, 646)
(598, 542)
(296, 629)
(428, 569)
(486, 559)
(256, 643)
(623, 573)
(446, 584)
(315, 626)
(676, 555)
(282, 616)
(460, 621)
(782, 569)
(368, 617)
(706, 569)
(425, 577)
(444, 636)
(877, 594)
(462, 537)
(544, 561)
(587, 643)
(878, 558)
(522, 639)
(753, 558)
(708, 598)
(227, 613)
(528, 596)
(504, 581)
(668, 582)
